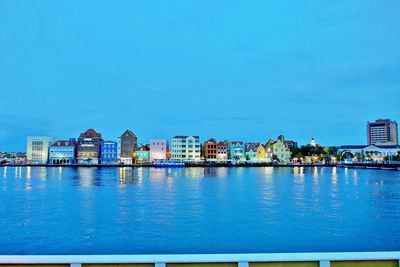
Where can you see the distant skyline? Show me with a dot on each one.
(222, 69)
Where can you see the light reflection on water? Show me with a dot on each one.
(197, 210)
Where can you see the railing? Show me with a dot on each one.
(340, 259)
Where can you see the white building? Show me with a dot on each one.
(372, 152)
(158, 149)
(37, 151)
(185, 148)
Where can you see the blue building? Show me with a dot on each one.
(237, 150)
(109, 152)
(63, 152)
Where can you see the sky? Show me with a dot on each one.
(236, 70)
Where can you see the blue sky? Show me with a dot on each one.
(247, 70)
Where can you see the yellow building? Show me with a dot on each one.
(281, 152)
(263, 153)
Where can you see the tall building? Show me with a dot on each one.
(88, 148)
(210, 149)
(185, 148)
(38, 149)
(158, 149)
(127, 145)
(109, 152)
(63, 152)
(382, 131)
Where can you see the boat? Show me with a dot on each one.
(168, 163)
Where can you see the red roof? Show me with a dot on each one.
(237, 142)
(211, 141)
(90, 132)
(221, 144)
(63, 143)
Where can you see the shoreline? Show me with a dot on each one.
(187, 165)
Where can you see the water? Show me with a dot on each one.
(197, 210)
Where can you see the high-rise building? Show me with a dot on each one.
(127, 145)
(382, 131)
(38, 149)
(186, 148)
(88, 148)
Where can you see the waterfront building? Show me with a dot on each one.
(63, 152)
(368, 152)
(38, 149)
(88, 148)
(279, 149)
(382, 132)
(185, 148)
(127, 145)
(142, 154)
(236, 150)
(251, 151)
(264, 153)
(109, 152)
(158, 149)
(210, 150)
(222, 151)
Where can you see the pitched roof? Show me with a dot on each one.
(186, 136)
(92, 133)
(237, 143)
(63, 143)
(128, 132)
(210, 141)
(221, 144)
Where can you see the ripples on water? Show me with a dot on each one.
(197, 210)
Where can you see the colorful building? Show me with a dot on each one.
(38, 149)
(158, 149)
(237, 150)
(280, 150)
(109, 152)
(63, 152)
(210, 150)
(127, 145)
(251, 151)
(222, 151)
(142, 154)
(185, 148)
(88, 148)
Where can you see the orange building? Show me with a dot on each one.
(210, 149)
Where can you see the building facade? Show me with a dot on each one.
(251, 151)
(222, 151)
(381, 132)
(142, 154)
(236, 150)
(127, 145)
(88, 148)
(210, 149)
(185, 148)
(280, 151)
(368, 152)
(37, 151)
(63, 152)
(158, 149)
(109, 152)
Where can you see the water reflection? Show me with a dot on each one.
(126, 175)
